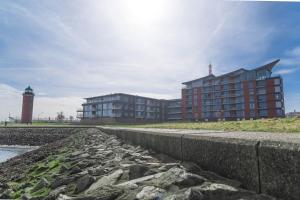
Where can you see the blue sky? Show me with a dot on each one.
(68, 50)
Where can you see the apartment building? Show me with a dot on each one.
(238, 95)
(241, 94)
(125, 108)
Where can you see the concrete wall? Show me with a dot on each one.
(232, 158)
(280, 169)
(266, 167)
(33, 136)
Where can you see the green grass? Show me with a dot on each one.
(283, 125)
(44, 124)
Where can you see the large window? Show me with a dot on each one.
(277, 81)
(278, 104)
(263, 113)
(277, 89)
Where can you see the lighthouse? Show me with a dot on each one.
(27, 107)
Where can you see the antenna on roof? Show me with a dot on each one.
(210, 69)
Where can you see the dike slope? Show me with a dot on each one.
(91, 165)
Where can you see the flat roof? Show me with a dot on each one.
(114, 94)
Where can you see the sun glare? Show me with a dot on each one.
(141, 12)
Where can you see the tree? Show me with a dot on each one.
(60, 116)
(71, 118)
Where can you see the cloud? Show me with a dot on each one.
(290, 62)
(88, 48)
(285, 71)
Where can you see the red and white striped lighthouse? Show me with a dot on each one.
(27, 107)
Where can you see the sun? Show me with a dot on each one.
(141, 12)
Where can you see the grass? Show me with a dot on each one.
(282, 125)
(43, 124)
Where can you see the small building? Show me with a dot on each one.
(241, 94)
(123, 108)
(27, 106)
(293, 114)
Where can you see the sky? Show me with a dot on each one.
(72, 49)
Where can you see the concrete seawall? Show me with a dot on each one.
(34, 136)
(264, 162)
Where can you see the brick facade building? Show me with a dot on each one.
(27, 106)
(241, 94)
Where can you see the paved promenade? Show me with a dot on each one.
(256, 136)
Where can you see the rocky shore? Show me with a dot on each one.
(91, 165)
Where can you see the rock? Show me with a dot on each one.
(74, 170)
(25, 185)
(83, 183)
(58, 181)
(139, 180)
(85, 163)
(107, 192)
(76, 153)
(41, 184)
(96, 171)
(219, 179)
(6, 194)
(106, 180)
(178, 177)
(193, 194)
(63, 169)
(191, 167)
(137, 171)
(188, 179)
(63, 197)
(25, 197)
(3, 185)
(168, 166)
(55, 193)
(216, 186)
(150, 193)
(151, 172)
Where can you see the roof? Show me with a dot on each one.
(268, 66)
(114, 94)
(29, 88)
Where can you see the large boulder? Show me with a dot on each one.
(150, 193)
(179, 177)
(137, 171)
(40, 184)
(105, 180)
(83, 183)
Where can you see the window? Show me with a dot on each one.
(277, 81)
(262, 105)
(251, 105)
(278, 104)
(250, 85)
(277, 89)
(251, 98)
(251, 91)
(252, 113)
(277, 96)
(261, 91)
(262, 98)
(263, 113)
(279, 112)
